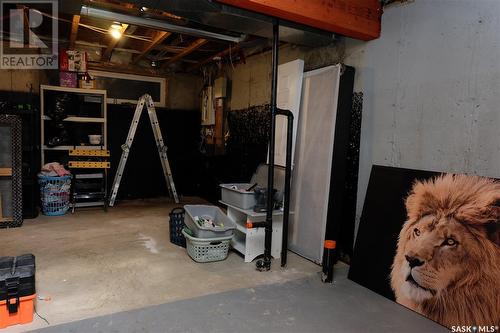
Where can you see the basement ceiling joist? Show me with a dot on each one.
(160, 46)
(191, 48)
(156, 36)
(214, 57)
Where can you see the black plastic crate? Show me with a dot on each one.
(176, 225)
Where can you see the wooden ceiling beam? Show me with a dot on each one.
(192, 47)
(106, 55)
(231, 49)
(158, 38)
(74, 30)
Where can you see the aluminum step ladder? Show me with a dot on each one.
(162, 149)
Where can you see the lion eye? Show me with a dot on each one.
(450, 242)
(416, 232)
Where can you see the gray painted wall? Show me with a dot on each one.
(432, 89)
(184, 92)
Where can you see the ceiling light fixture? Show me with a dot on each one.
(116, 30)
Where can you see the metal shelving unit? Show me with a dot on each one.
(89, 96)
(89, 184)
(81, 119)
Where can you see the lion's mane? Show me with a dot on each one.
(474, 298)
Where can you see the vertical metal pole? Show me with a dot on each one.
(265, 265)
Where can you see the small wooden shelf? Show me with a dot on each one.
(76, 119)
(5, 172)
(71, 147)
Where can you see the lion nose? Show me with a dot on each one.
(413, 261)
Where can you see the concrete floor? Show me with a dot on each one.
(304, 305)
(93, 263)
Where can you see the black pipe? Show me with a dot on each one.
(288, 176)
(265, 264)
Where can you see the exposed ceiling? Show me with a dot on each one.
(173, 45)
(161, 37)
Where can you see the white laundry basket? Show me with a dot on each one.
(207, 250)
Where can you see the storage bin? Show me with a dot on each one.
(17, 290)
(23, 315)
(176, 224)
(224, 226)
(54, 193)
(237, 195)
(207, 250)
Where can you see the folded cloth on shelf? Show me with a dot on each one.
(54, 169)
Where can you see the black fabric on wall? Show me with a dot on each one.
(143, 175)
(246, 148)
(247, 143)
(351, 183)
(341, 202)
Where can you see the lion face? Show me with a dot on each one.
(433, 256)
(447, 263)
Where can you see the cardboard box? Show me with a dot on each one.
(73, 61)
(68, 79)
(86, 84)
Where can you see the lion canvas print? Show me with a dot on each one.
(430, 241)
(447, 264)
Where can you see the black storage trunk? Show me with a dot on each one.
(17, 279)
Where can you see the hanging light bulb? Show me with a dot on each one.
(116, 30)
